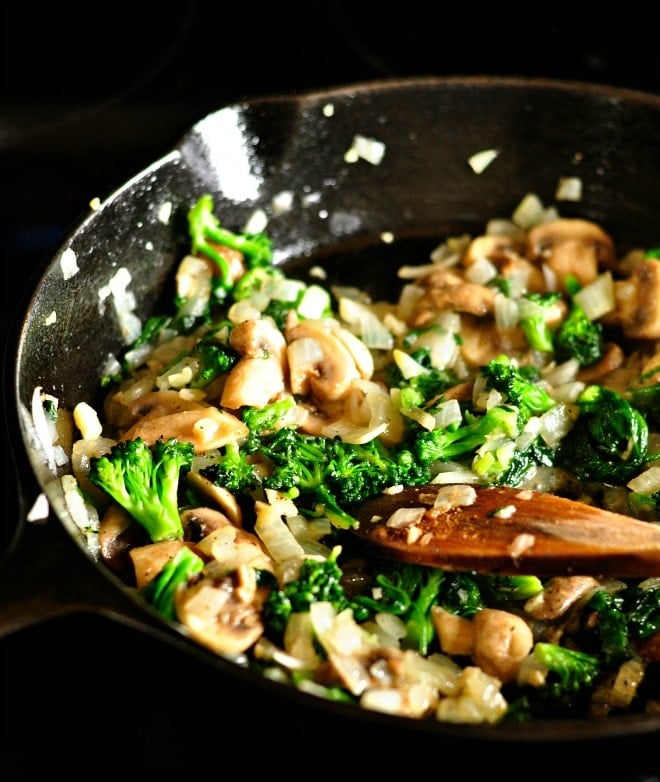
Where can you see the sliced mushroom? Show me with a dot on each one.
(559, 594)
(612, 359)
(219, 494)
(149, 560)
(253, 382)
(446, 290)
(319, 362)
(502, 640)
(482, 340)
(224, 613)
(497, 248)
(259, 377)
(202, 521)
(155, 404)
(637, 300)
(205, 427)
(258, 338)
(571, 246)
(505, 253)
(118, 533)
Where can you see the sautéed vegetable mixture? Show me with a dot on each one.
(240, 429)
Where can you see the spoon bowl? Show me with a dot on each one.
(507, 530)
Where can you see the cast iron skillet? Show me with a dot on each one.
(247, 154)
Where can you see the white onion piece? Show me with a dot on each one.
(278, 540)
(597, 298)
(366, 323)
(505, 311)
(44, 428)
(558, 374)
(647, 482)
(407, 364)
(447, 413)
(529, 212)
(193, 284)
(556, 423)
(455, 475)
(481, 272)
(87, 421)
(405, 517)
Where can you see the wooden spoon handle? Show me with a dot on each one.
(506, 530)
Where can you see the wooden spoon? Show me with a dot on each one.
(509, 531)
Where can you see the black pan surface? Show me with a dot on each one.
(245, 155)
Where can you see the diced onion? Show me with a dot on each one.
(480, 161)
(597, 298)
(647, 482)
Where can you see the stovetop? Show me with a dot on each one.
(89, 95)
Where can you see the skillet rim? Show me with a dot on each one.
(567, 729)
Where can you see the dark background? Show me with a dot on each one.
(89, 95)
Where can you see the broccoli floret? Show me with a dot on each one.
(144, 480)
(299, 465)
(609, 441)
(500, 590)
(612, 626)
(645, 396)
(643, 610)
(206, 233)
(327, 476)
(318, 580)
(215, 358)
(495, 430)
(517, 386)
(524, 462)
(356, 472)
(577, 336)
(299, 460)
(161, 590)
(423, 389)
(623, 616)
(233, 471)
(264, 420)
(462, 594)
(571, 675)
(534, 309)
(409, 591)
(255, 280)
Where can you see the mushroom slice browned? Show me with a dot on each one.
(571, 247)
(638, 301)
(445, 290)
(223, 613)
(150, 559)
(206, 428)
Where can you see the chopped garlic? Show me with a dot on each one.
(165, 212)
(569, 188)
(368, 149)
(480, 161)
(257, 222)
(40, 509)
(68, 264)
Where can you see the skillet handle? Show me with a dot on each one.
(44, 576)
